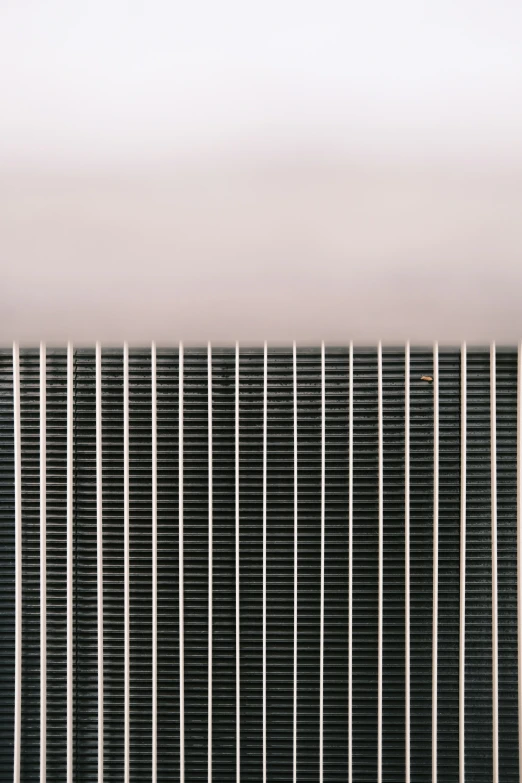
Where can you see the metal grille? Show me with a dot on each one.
(260, 564)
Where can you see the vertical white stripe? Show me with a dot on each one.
(265, 439)
(493, 415)
(519, 553)
(462, 614)
(434, 678)
(350, 569)
(295, 560)
(18, 563)
(70, 487)
(154, 566)
(181, 581)
(238, 680)
(210, 562)
(43, 563)
(323, 459)
(99, 518)
(126, 566)
(407, 551)
(381, 563)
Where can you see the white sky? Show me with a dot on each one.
(114, 80)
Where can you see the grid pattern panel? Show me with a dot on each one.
(282, 452)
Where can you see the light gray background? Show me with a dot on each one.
(247, 171)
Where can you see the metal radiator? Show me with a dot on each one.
(270, 564)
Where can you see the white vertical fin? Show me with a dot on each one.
(435, 635)
(407, 553)
(350, 570)
(210, 562)
(381, 561)
(295, 563)
(154, 564)
(238, 647)
(70, 487)
(181, 581)
(99, 529)
(126, 564)
(462, 613)
(43, 563)
(18, 564)
(519, 553)
(321, 675)
(265, 441)
(493, 417)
